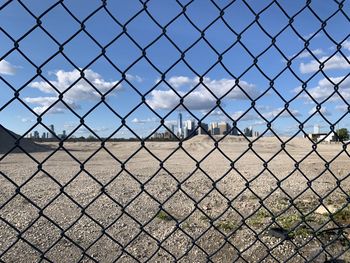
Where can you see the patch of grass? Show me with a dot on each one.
(252, 197)
(301, 231)
(259, 218)
(186, 225)
(162, 215)
(204, 218)
(226, 226)
(283, 202)
(288, 221)
(342, 216)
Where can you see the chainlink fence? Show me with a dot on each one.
(210, 198)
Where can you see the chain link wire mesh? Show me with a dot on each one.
(92, 215)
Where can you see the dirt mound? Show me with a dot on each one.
(200, 138)
(8, 140)
(232, 139)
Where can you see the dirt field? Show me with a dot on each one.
(160, 205)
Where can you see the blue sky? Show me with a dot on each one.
(200, 59)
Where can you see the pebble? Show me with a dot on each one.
(325, 210)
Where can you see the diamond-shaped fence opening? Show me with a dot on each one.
(183, 131)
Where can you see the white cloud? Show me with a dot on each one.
(307, 36)
(217, 113)
(285, 114)
(168, 99)
(342, 108)
(84, 130)
(246, 117)
(45, 102)
(142, 121)
(134, 78)
(73, 125)
(325, 88)
(180, 81)
(259, 123)
(335, 62)
(27, 120)
(253, 116)
(323, 111)
(6, 68)
(346, 44)
(307, 54)
(263, 107)
(249, 116)
(170, 122)
(79, 92)
(201, 98)
(70, 125)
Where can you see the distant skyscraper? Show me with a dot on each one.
(214, 128)
(188, 129)
(36, 135)
(63, 135)
(248, 132)
(234, 131)
(185, 132)
(203, 129)
(214, 125)
(52, 132)
(223, 128)
(316, 129)
(215, 131)
(190, 125)
(179, 125)
(172, 128)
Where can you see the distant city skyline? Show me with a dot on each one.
(51, 134)
(189, 128)
(170, 129)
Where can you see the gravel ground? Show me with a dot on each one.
(221, 205)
